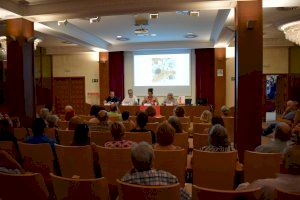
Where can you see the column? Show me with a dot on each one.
(103, 76)
(249, 65)
(20, 95)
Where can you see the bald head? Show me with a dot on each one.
(283, 131)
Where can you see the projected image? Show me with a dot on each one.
(163, 69)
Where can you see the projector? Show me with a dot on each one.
(141, 31)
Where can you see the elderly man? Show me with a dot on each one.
(170, 100)
(142, 156)
(130, 100)
(289, 181)
(279, 143)
(69, 112)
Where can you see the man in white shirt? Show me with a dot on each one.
(130, 100)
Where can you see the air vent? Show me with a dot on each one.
(287, 8)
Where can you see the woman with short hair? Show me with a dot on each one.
(165, 137)
(117, 132)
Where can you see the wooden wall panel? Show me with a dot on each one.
(220, 81)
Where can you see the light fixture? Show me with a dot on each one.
(153, 34)
(153, 15)
(121, 38)
(194, 13)
(94, 19)
(3, 49)
(36, 42)
(292, 31)
(190, 35)
(62, 22)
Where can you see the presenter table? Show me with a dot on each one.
(166, 110)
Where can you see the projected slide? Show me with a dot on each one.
(162, 70)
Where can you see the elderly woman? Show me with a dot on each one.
(165, 137)
(117, 131)
(218, 140)
(170, 100)
(142, 156)
(52, 121)
(206, 117)
(176, 124)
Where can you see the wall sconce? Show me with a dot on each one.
(103, 57)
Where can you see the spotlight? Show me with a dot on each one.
(62, 22)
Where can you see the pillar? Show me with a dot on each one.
(249, 65)
(103, 76)
(20, 95)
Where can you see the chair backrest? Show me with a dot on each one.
(85, 117)
(284, 195)
(100, 138)
(37, 158)
(153, 127)
(173, 161)
(229, 125)
(50, 132)
(186, 126)
(261, 165)
(200, 140)
(65, 137)
(9, 147)
(214, 169)
(128, 126)
(131, 191)
(78, 189)
(199, 127)
(24, 186)
(21, 133)
(185, 119)
(75, 160)
(63, 125)
(115, 163)
(114, 118)
(138, 136)
(200, 193)
(156, 119)
(181, 140)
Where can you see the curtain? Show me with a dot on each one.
(116, 73)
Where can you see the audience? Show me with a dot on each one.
(170, 100)
(279, 144)
(114, 111)
(117, 132)
(176, 124)
(225, 111)
(103, 125)
(126, 120)
(38, 137)
(6, 132)
(95, 109)
(69, 112)
(44, 112)
(215, 120)
(142, 120)
(165, 137)
(142, 156)
(150, 111)
(179, 111)
(9, 165)
(217, 140)
(74, 121)
(289, 182)
(52, 121)
(206, 117)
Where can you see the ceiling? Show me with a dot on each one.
(215, 24)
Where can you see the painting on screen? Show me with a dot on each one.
(163, 69)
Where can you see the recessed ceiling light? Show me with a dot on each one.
(153, 34)
(153, 15)
(119, 36)
(190, 35)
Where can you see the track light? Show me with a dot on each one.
(62, 22)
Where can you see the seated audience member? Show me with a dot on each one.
(16, 122)
(125, 119)
(103, 125)
(176, 124)
(94, 113)
(279, 144)
(289, 182)
(217, 140)
(117, 131)
(170, 100)
(69, 112)
(214, 120)
(150, 99)
(9, 165)
(150, 111)
(114, 111)
(142, 156)
(6, 132)
(44, 112)
(38, 137)
(130, 100)
(165, 137)
(142, 120)
(81, 138)
(74, 121)
(225, 111)
(179, 111)
(112, 99)
(206, 117)
(52, 121)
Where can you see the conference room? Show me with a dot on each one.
(125, 99)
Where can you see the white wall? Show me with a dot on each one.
(78, 65)
(129, 79)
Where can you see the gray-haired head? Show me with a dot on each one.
(218, 136)
(225, 110)
(142, 156)
(44, 112)
(68, 108)
(52, 120)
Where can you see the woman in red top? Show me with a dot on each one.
(150, 99)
